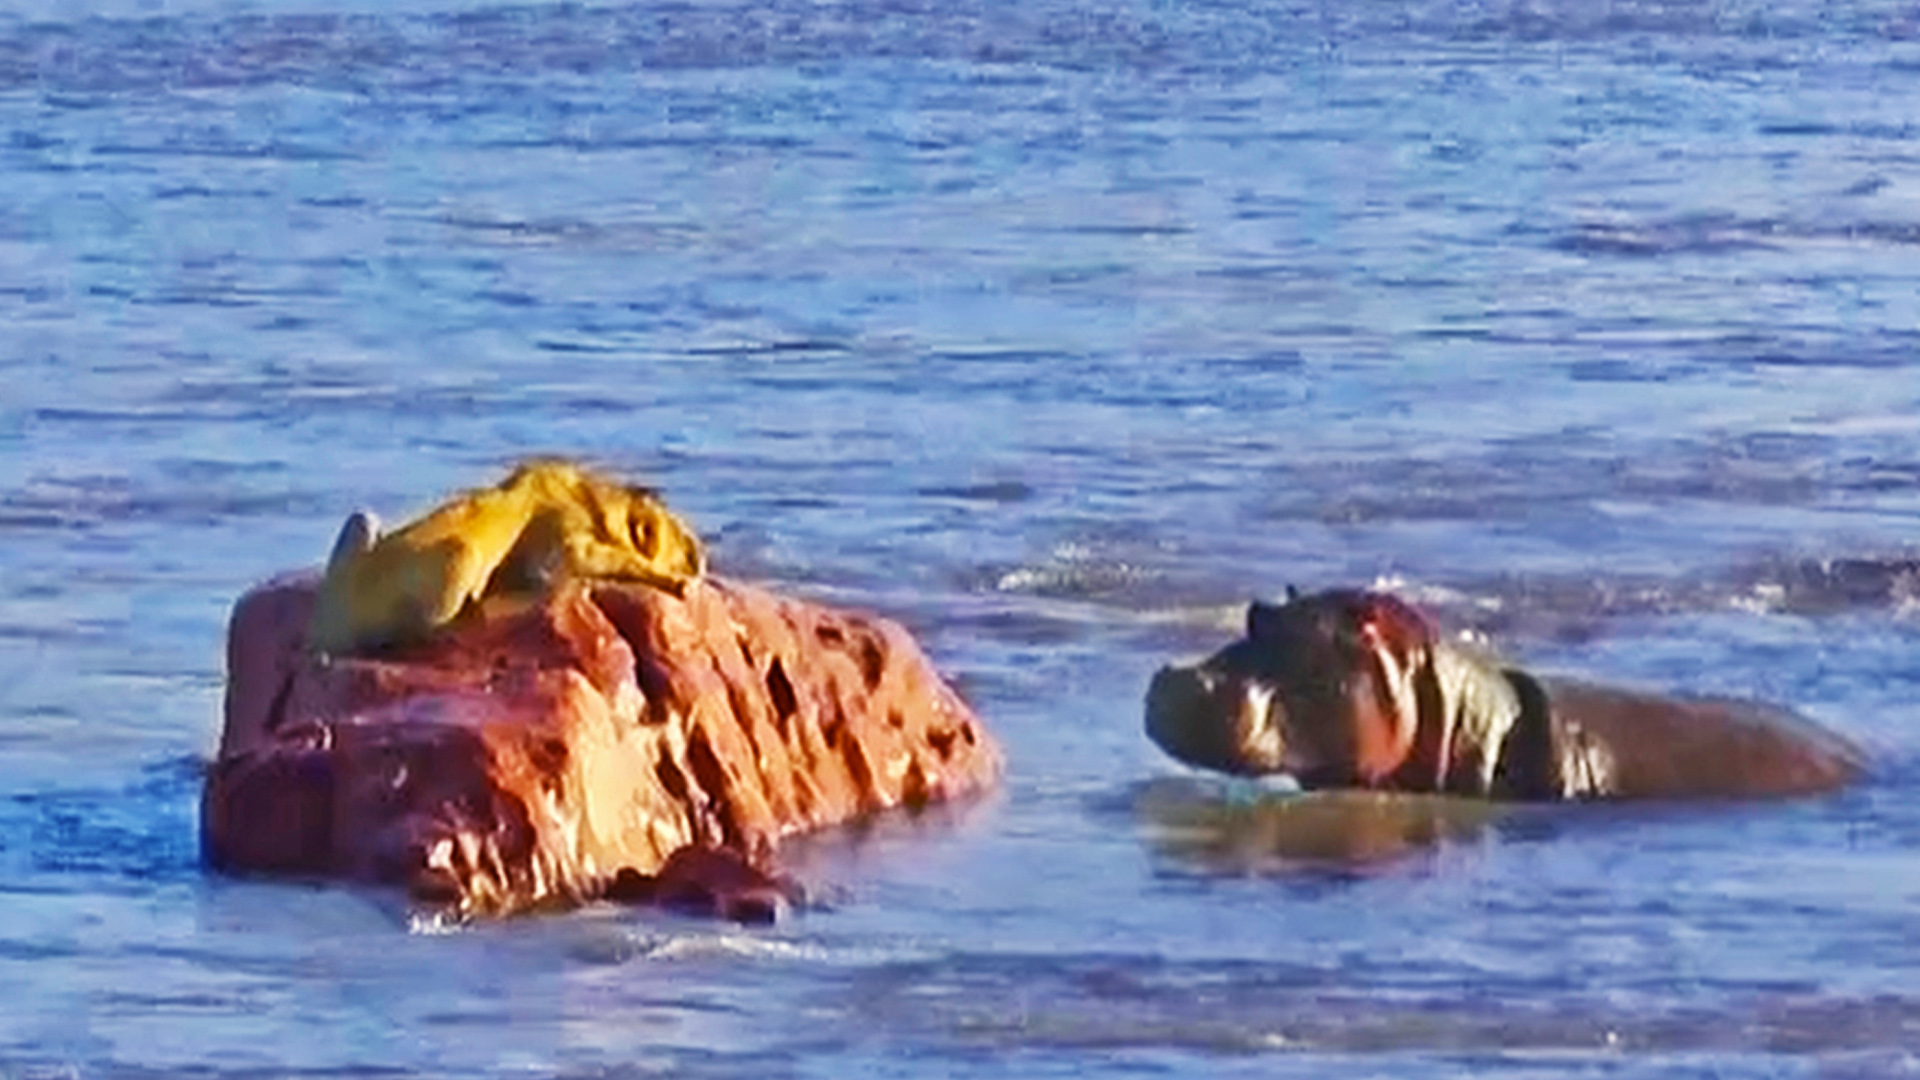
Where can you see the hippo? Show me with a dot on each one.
(1352, 688)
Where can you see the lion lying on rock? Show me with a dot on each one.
(526, 700)
(547, 522)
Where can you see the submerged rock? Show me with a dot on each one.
(603, 741)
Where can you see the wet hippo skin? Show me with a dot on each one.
(1355, 689)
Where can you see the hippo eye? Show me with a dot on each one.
(1381, 631)
(1373, 625)
(1390, 620)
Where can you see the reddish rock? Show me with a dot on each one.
(608, 740)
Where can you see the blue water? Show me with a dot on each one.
(1055, 330)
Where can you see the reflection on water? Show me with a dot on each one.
(1236, 827)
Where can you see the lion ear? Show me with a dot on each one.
(356, 537)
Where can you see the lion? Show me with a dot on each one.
(549, 521)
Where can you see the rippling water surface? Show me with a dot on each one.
(1055, 330)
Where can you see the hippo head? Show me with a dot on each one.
(1322, 687)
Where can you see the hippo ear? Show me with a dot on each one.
(1262, 619)
(356, 536)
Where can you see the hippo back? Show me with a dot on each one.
(1664, 747)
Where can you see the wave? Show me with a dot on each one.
(1576, 606)
(972, 1003)
(75, 61)
(144, 830)
(1047, 603)
(1719, 234)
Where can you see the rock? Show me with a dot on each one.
(605, 739)
(708, 881)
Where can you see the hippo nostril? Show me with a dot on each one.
(1213, 720)
(1178, 719)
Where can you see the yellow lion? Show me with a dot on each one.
(549, 521)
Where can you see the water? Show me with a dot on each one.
(1056, 331)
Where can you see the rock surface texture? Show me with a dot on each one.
(603, 741)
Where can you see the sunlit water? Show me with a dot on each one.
(1056, 331)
